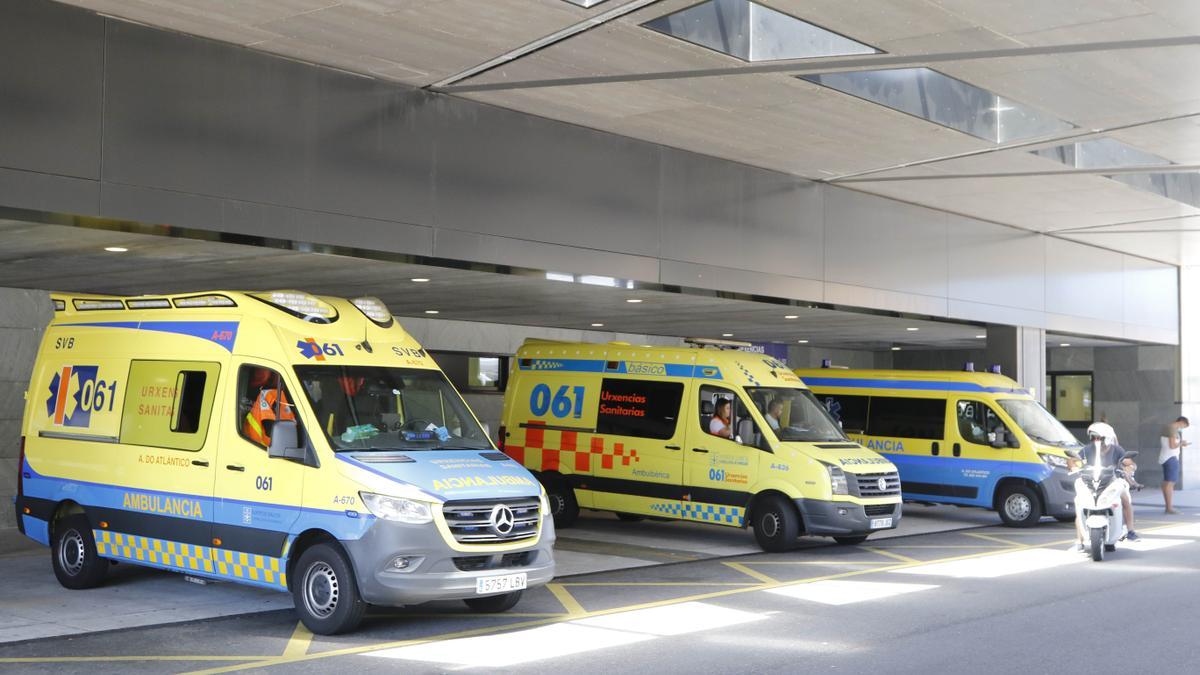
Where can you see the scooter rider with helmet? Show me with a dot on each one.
(1102, 439)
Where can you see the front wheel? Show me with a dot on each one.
(776, 524)
(325, 591)
(73, 554)
(1097, 544)
(494, 604)
(1020, 506)
(851, 541)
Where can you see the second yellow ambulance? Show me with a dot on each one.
(631, 429)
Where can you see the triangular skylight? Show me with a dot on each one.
(754, 32)
(1109, 153)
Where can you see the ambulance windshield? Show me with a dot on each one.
(377, 408)
(795, 415)
(1038, 423)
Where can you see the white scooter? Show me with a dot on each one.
(1098, 502)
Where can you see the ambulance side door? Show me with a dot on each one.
(257, 498)
(979, 463)
(719, 470)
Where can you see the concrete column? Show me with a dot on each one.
(1189, 370)
(1021, 353)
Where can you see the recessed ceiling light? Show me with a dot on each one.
(633, 300)
(726, 334)
(895, 349)
(980, 337)
(912, 329)
(419, 280)
(1064, 344)
(431, 311)
(597, 325)
(803, 342)
(792, 316)
(115, 249)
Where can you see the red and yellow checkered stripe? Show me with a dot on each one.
(552, 449)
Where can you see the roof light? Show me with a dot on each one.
(633, 300)
(726, 334)
(1064, 344)
(895, 349)
(302, 304)
(559, 276)
(419, 280)
(753, 32)
(431, 311)
(944, 100)
(792, 316)
(597, 325)
(154, 303)
(211, 300)
(980, 337)
(374, 309)
(91, 305)
(803, 342)
(59, 305)
(115, 249)
(912, 329)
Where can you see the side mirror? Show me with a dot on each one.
(285, 442)
(1130, 454)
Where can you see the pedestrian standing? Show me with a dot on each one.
(1171, 443)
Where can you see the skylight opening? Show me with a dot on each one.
(944, 100)
(1109, 153)
(586, 3)
(753, 32)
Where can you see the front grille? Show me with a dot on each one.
(879, 509)
(867, 484)
(476, 563)
(470, 521)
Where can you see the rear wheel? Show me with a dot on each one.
(494, 604)
(325, 591)
(851, 541)
(1019, 506)
(1097, 544)
(776, 524)
(563, 506)
(73, 554)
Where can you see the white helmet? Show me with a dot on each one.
(1104, 431)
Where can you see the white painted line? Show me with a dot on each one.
(687, 617)
(510, 649)
(998, 565)
(837, 592)
(1148, 544)
(1190, 530)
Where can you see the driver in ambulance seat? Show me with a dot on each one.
(263, 411)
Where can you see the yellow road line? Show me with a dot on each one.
(299, 642)
(749, 572)
(893, 556)
(973, 547)
(824, 563)
(103, 659)
(568, 601)
(988, 537)
(653, 583)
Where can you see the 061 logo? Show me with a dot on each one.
(311, 349)
(76, 392)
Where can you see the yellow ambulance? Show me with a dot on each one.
(278, 439)
(965, 438)
(705, 433)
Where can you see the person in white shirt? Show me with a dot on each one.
(774, 413)
(720, 424)
(1170, 443)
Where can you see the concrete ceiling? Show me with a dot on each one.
(70, 258)
(1128, 69)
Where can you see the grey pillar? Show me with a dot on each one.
(1020, 352)
(1189, 367)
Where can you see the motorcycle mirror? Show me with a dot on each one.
(1072, 453)
(1130, 454)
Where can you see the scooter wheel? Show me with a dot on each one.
(1097, 545)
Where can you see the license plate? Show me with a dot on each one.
(505, 583)
(880, 523)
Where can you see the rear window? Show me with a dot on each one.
(849, 411)
(907, 417)
(639, 408)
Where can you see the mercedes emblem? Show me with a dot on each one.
(503, 520)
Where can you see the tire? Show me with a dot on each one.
(73, 554)
(1019, 506)
(1097, 544)
(563, 506)
(494, 604)
(325, 591)
(851, 541)
(630, 517)
(776, 524)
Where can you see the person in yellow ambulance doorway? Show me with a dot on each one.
(266, 401)
(721, 423)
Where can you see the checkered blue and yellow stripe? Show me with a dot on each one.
(709, 513)
(203, 560)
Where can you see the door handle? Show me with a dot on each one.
(935, 448)
(700, 450)
(673, 447)
(199, 462)
(235, 467)
(957, 450)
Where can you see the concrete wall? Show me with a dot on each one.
(24, 315)
(112, 119)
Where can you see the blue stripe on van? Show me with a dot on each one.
(914, 385)
(601, 366)
(221, 332)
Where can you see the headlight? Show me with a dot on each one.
(837, 480)
(397, 508)
(545, 502)
(1053, 461)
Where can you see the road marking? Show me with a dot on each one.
(996, 564)
(988, 537)
(1148, 544)
(752, 573)
(299, 642)
(565, 598)
(839, 592)
(825, 563)
(573, 584)
(510, 649)
(1190, 530)
(689, 617)
(889, 554)
(102, 659)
